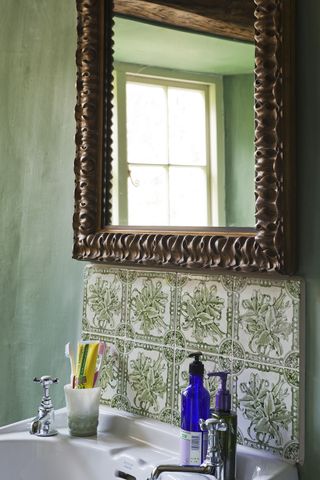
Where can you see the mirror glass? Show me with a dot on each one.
(183, 135)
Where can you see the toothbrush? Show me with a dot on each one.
(101, 352)
(69, 354)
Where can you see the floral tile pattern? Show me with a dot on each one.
(266, 320)
(104, 308)
(267, 407)
(151, 306)
(203, 311)
(249, 326)
(148, 379)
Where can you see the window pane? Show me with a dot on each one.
(148, 195)
(188, 196)
(187, 126)
(146, 123)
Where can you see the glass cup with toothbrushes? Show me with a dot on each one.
(83, 393)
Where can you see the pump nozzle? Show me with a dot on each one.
(223, 397)
(196, 356)
(196, 367)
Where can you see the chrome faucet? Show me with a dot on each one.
(213, 463)
(43, 424)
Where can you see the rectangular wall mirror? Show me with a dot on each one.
(185, 134)
(184, 110)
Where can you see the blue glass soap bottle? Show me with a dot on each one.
(195, 404)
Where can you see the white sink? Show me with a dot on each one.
(125, 445)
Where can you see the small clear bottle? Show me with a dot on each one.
(195, 404)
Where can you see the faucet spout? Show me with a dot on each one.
(43, 425)
(35, 426)
(213, 463)
(205, 469)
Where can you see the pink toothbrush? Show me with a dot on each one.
(101, 352)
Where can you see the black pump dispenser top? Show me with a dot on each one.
(196, 367)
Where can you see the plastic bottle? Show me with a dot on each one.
(195, 404)
(228, 439)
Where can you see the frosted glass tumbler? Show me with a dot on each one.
(82, 410)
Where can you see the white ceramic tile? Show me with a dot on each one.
(203, 311)
(246, 325)
(151, 306)
(104, 301)
(268, 410)
(148, 379)
(266, 320)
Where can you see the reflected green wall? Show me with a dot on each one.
(149, 44)
(238, 91)
(40, 285)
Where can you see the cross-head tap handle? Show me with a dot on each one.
(46, 381)
(213, 425)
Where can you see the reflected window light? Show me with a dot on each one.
(168, 156)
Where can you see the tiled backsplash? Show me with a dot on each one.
(249, 326)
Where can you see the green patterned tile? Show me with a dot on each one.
(266, 320)
(204, 311)
(246, 325)
(104, 305)
(148, 379)
(268, 409)
(151, 307)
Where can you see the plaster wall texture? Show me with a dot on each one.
(40, 285)
(308, 200)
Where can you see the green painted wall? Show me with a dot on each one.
(40, 285)
(308, 197)
(238, 91)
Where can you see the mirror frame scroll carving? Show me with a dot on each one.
(268, 247)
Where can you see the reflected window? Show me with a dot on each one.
(165, 169)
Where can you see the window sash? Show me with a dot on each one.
(212, 87)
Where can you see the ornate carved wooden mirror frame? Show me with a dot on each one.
(269, 247)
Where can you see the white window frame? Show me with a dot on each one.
(215, 121)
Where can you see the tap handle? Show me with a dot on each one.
(46, 381)
(213, 425)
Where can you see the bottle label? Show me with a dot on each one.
(191, 448)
